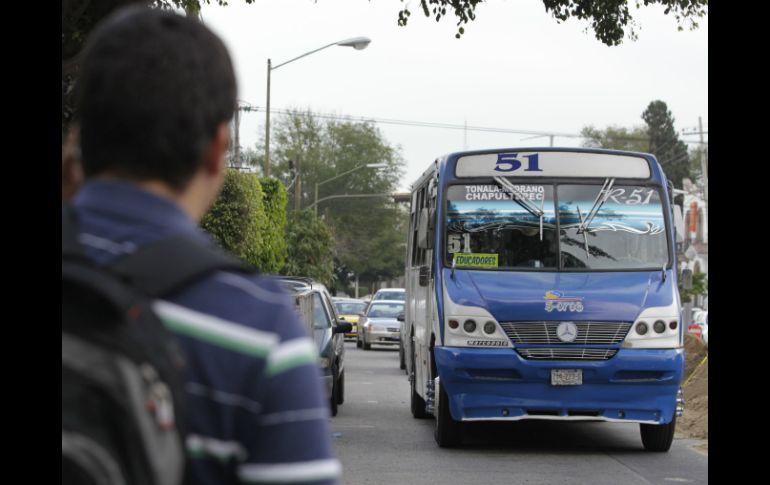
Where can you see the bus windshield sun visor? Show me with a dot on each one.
(521, 199)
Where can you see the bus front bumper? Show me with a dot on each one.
(635, 385)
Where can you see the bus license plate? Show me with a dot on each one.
(566, 377)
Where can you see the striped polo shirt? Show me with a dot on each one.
(257, 412)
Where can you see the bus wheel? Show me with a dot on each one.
(448, 432)
(658, 437)
(417, 403)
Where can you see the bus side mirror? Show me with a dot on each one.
(424, 274)
(679, 224)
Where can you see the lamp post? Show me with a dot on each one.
(368, 165)
(357, 43)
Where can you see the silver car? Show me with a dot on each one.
(380, 325)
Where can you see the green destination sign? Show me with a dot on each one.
(477, 260)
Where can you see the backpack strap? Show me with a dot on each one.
(70, 246)
(170, 264)
(156, 269)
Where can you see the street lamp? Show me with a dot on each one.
(368, 165)
(358, 43)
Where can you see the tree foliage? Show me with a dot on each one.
(609, 19)
(617, 138)
(658, 137)
(700, 286)
(310, 247)
(249, 221)
(78, 18)
(237, 216)
(369, 232)
(274, 200)
(665, 144)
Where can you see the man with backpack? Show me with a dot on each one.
(156, 93)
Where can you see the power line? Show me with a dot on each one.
(427, 124)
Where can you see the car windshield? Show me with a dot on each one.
(601, 227)
(350, 308)
(385, 310)
(391, 295)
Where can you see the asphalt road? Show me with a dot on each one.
(379, 442)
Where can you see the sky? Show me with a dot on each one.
(515, 68)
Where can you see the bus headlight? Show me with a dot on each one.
(471, 326)
(650, 330)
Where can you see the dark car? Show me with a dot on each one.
(314, 305)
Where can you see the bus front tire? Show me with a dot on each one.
(658, 437)
(417, 403)
(448, 432)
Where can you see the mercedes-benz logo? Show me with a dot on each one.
(567, 331)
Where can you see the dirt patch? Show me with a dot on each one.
(694, 423)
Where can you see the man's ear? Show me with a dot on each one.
(215, 154)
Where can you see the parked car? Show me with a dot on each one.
(380, 324)
(705, 332)
(315, 308)
(350, 310)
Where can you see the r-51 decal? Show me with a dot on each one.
(509, 162)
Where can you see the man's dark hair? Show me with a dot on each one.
(153, 88)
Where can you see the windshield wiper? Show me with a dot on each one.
(601, 198)
(521, 199)
(585, 236)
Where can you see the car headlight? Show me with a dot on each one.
(324, 362)
(655, 328)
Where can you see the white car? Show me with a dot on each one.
(380, 325)
(390, 294)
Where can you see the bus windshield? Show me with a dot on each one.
(610, 227)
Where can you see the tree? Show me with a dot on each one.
(310, 247)
(608, 18)
(249, 221)
(617, 138)
(274, 254)
(665, 144)
(237, 216)
(369, 232)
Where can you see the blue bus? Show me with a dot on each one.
(541, 284)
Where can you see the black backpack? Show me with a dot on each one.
(123, 413)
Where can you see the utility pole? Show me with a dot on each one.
(704, 164)
(298, 187)
(237, 126)
(267, 121)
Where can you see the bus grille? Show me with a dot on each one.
(563, 353)
(589, 333)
